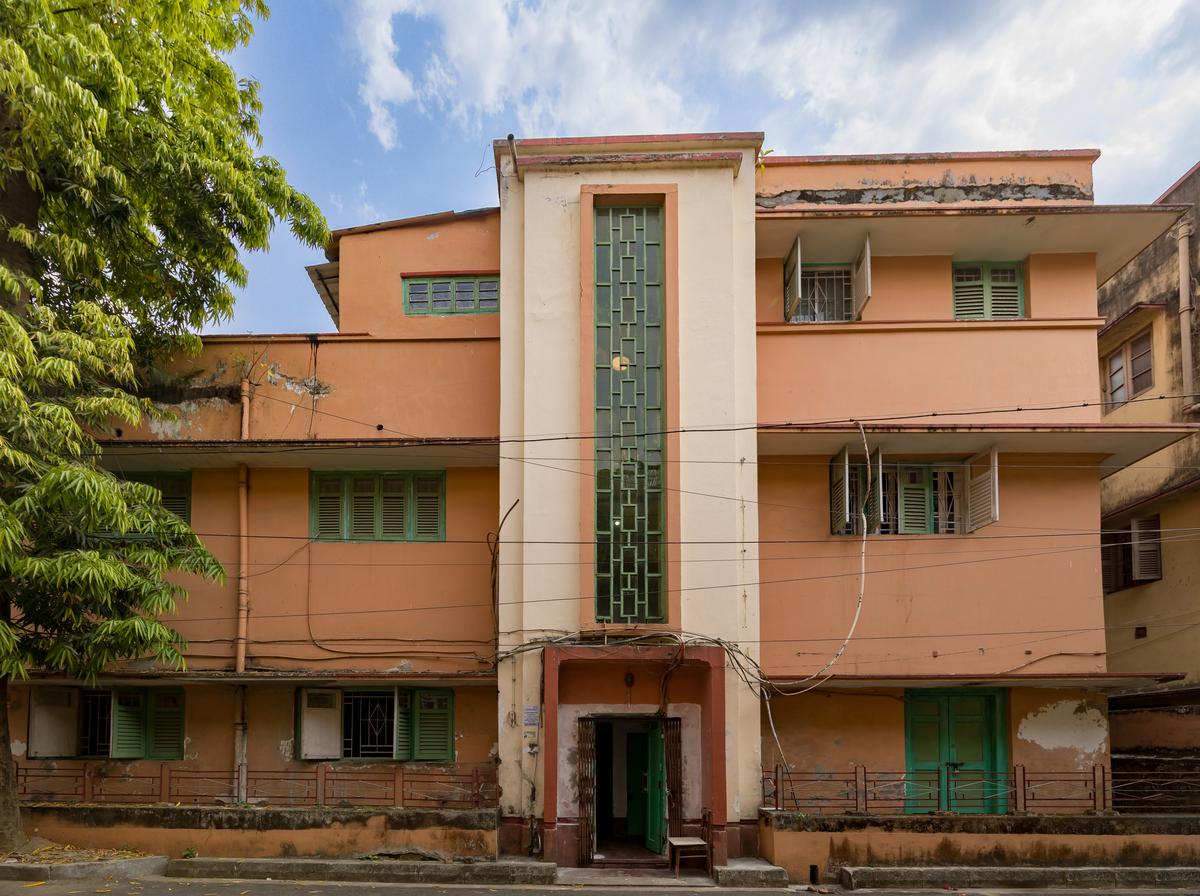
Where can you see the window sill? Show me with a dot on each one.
(859, 326)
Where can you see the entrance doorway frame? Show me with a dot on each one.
(560, 842)
(671, 742)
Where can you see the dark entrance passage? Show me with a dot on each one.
(629, 788)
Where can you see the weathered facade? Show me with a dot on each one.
(582, 480)
(1152, 509)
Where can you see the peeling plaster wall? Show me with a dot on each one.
(1058, 729)
(1048, 729)
(975, 179)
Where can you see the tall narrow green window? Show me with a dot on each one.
(629, 456)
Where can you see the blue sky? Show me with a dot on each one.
(380, 109)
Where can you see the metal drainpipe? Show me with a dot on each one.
(1183, 236)
(243, 621)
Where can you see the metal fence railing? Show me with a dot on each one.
(459, 786)
(865, 791)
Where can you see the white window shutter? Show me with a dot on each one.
(53, 722)
(912, 500)
(875, 499)
(862, 279)
(791, 282)
(983, 489)
(1147, 549)
(839, 492)
(320, 724)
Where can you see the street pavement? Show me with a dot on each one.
(162, 886)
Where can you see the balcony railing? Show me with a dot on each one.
(459, 786)
(863, 791)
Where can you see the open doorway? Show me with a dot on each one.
(629, 788)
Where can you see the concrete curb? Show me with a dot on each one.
(746, 873)
(962, 876)
(140, 867)
(381, 871)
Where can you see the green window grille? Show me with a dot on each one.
(366, 506)
(629, 417)
(988, 291)
(451, 295)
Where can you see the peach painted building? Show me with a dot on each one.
(577, 482)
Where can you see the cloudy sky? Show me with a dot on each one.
(385, 108)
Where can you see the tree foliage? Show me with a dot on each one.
(127, 119)
(130, 182)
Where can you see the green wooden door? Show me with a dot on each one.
(656, 789)
(636, 768)
(971, 780)
(955, 752)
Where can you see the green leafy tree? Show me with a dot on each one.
(130, 182)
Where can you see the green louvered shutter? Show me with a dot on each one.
(128, 724)
(1005, 292)
(970, 302)
(176, 491)
(404, 724)
(165, 730)
(427, 508)
(393, 508)
(913, 500)
(362, 507)
(434, 728)
(327, 512)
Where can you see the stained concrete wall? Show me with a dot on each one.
(975, 604)
(914, 180)
(402, 607)
(1046, 729)
(948, 365)
(269, 833)
(797, 842)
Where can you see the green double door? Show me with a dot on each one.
(646, 786)
(956, 752)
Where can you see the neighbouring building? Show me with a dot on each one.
(682, 485)
(1151, 510)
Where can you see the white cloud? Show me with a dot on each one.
(384, 84)
(550, 67)
(820, 78)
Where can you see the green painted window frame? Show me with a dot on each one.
(453, 282)
(144, 724)
(930, 469)
(410, 518)
(987, 267)
(401, 752)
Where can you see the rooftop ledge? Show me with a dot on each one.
(904, 157)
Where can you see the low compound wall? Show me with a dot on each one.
(798, 842)
(437, 834)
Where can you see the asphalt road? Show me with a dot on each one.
(161, 886)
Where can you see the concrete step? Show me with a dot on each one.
(373, 871)
(750, 872)
(963, 876)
